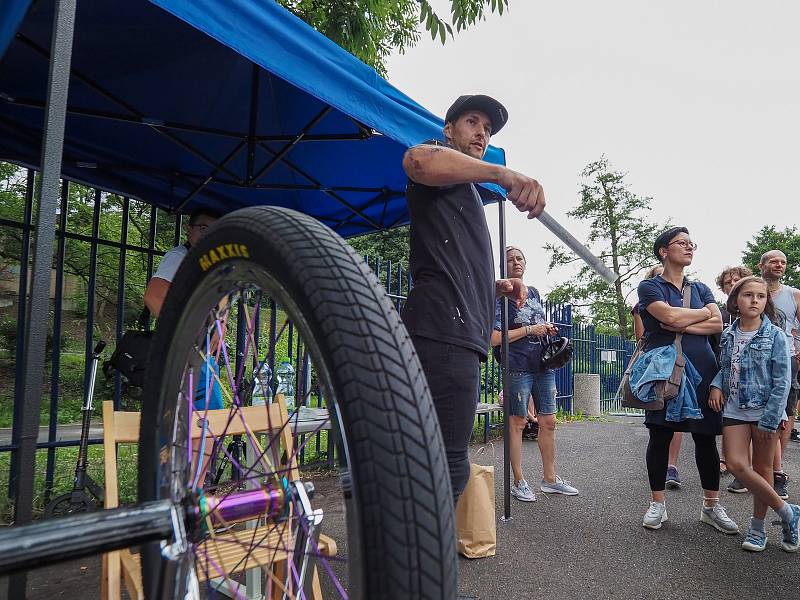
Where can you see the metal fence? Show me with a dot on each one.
(107, 249)
(603, 354)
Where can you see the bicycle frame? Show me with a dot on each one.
(87, 534)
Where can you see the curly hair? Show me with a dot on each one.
(732, 303)
(739, 270)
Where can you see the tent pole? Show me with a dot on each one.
(38, 303)
(504, 367)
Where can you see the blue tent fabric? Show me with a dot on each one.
(11, 15)
(186, 103)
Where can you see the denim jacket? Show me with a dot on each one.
(656, 365)
(765, 371)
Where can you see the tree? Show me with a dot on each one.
(392, 244)
(620, 234)
(80, 215)
(770, 238)
(372, 29)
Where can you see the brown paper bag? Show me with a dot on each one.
(475, 520)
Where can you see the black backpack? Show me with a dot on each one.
(130, 355)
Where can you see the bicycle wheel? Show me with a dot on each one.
(390, 514)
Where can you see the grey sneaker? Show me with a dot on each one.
(522, 492)
(655, 515)
(791, 539)
(673, 479)
(718, 519)
(736, 487)
(780, 483)
(559, 486)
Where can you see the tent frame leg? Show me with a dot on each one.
(38, 303)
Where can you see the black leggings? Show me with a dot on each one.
(705, 455)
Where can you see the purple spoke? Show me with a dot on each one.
(190, 395)
(293, 572)
(234, 389)
(222, 573)
(324, 561)
(248, 336)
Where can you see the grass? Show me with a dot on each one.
(70, 397)
(64, 471)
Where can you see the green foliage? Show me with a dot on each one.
(391, 245)
(77, 255)
(770, 238)
(373, 29)
(621, 234)
(8, 337)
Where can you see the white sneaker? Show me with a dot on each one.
(559, 486)
(522, 491)
(718, 519)
(655, 515)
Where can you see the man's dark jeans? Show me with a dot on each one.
(453, 375)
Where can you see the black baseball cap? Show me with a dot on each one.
(496, 112)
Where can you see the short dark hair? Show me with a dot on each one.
(732, 303)
(663, 240)
(203, 210)
(739, 270)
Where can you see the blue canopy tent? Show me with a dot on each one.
(196, 103)
(187, 103)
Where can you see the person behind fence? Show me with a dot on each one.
(773, 267)
(725, 282)
(207, 394)
(449, 310)
(661, 308)
(527, 327)
(673, 478)
(750, 390)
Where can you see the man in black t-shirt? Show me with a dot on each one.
(449, 312)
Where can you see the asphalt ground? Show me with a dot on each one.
(588, 546)
(594, 546)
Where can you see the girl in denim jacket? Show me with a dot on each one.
(751, 389)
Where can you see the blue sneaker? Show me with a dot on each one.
(755, 540)
(673, 479)
(791, 541)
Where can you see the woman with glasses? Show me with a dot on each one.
(663, 315)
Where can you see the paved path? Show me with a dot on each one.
(593, 545)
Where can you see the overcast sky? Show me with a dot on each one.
(696, 101)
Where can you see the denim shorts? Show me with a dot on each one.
(542, 386)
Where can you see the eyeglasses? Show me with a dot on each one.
(684, 244)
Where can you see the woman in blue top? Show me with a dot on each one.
(526, 328)
(662, 312)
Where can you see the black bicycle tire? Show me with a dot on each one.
(399, 469)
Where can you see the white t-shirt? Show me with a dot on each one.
(170, 262)
(732, 410)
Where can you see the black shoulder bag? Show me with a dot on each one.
(130, 355)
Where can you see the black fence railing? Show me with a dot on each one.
(107, 248)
